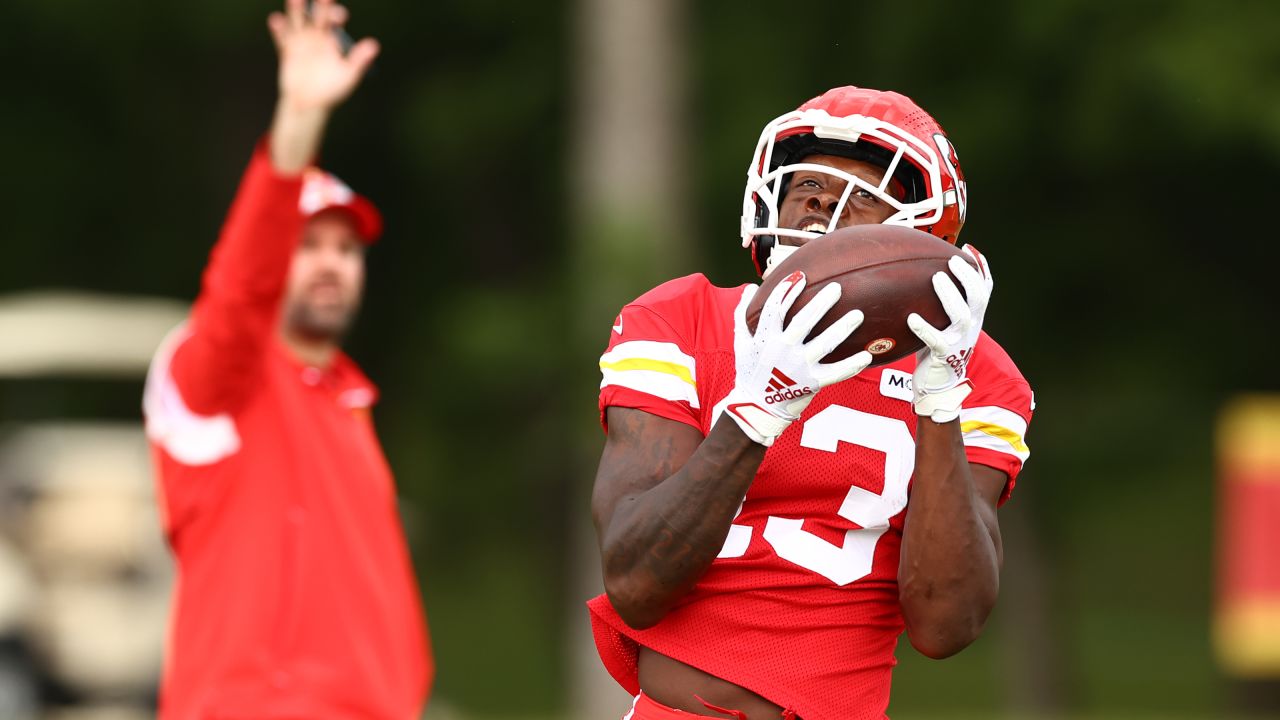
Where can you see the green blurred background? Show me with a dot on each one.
(1122, 159)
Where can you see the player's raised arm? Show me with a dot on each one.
(315, 77)
(217, 361)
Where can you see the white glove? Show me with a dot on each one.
(777, 371)
(939, 384)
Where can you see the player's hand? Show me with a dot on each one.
(777, 371)
(315, 74)
(939, 383)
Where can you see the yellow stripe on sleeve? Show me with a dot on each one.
(996, 431)
(667, 368)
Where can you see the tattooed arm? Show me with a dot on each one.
(663, 501)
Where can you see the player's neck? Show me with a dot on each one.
(316, 352)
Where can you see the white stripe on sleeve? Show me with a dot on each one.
(996, 429)
(656, 368)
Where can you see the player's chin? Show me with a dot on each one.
(322, 321)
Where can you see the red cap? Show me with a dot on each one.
(322, 191)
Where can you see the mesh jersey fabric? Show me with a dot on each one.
(801, 606)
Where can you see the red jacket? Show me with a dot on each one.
(295, 593)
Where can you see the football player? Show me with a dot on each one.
(769, 524)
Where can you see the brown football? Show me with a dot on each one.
(886, 271)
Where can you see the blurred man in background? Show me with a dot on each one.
(296, 596)
(756, 571)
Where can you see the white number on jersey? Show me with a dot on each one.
(842, 564)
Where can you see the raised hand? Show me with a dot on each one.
(315, 74)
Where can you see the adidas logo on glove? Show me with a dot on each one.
(783, 388)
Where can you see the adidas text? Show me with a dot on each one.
(788, 394)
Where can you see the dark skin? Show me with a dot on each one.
(664, 499)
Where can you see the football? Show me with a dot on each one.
(886, 271)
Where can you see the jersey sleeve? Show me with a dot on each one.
(235, 316)
(995, 417)
(649, 366)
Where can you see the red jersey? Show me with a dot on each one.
(801, 605)
(295, 593)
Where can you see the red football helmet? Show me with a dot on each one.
(884, 128)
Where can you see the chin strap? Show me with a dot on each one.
(777, 254)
